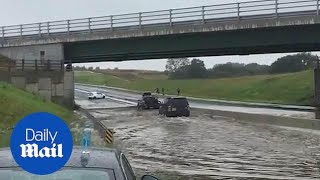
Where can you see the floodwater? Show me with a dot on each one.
(196, 104)
(205, 146)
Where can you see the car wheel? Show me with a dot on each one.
(94, 97)
(103, 97)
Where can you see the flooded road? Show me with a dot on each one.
(204, 146)
(133, 97)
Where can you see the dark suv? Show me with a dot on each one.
(146, 94)
(173, 107)
(148, 101)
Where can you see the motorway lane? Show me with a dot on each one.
(202, 105)
(204, 146)
(81, 99)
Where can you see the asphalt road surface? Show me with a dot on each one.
(205, 146)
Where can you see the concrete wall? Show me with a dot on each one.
(53, 86)
(32, 52)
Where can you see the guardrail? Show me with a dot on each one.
(200, 14)
(32, 65)
(105, 133)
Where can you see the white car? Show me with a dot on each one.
(96, 95)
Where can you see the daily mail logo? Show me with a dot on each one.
(41, 143)
(32, 150)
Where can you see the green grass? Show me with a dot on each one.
(291, 88)
(15, 104)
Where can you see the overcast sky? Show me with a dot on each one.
(28, 11)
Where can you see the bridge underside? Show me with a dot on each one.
(280, 39)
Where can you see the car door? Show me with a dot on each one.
(128, 172)
(99, 95)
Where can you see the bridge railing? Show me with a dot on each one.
(32, 65)
(201, 14)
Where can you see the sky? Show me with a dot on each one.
(29, 11)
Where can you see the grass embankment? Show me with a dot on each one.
(15, 104)
(291, 88)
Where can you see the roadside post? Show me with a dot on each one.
(109, 136)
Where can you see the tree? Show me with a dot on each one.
(228, 70)
(76, 68)
(176, 63)
(293, 63)
(90, 68)
(255, 69)
(197, 69)
(180, 73)
(83, 68)
(97, 68)
(237, 69)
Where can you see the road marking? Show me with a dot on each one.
(80, 90)
(111, 98)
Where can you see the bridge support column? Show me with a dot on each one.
(317, 87)
(68, 89)
(317, 91)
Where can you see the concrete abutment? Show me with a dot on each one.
(51, 83)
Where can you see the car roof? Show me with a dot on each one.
(99, 158)
(176, 98)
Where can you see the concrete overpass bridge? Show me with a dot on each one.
(255, 27)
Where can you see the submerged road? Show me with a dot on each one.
(133, 97)
(205, 146)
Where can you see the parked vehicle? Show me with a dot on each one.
(146, 94)
(175, 106)
(96, 95)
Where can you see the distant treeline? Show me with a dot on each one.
(181, 68)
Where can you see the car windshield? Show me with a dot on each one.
(64, 174)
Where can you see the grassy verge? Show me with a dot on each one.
(15, 104)
(291, 88)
